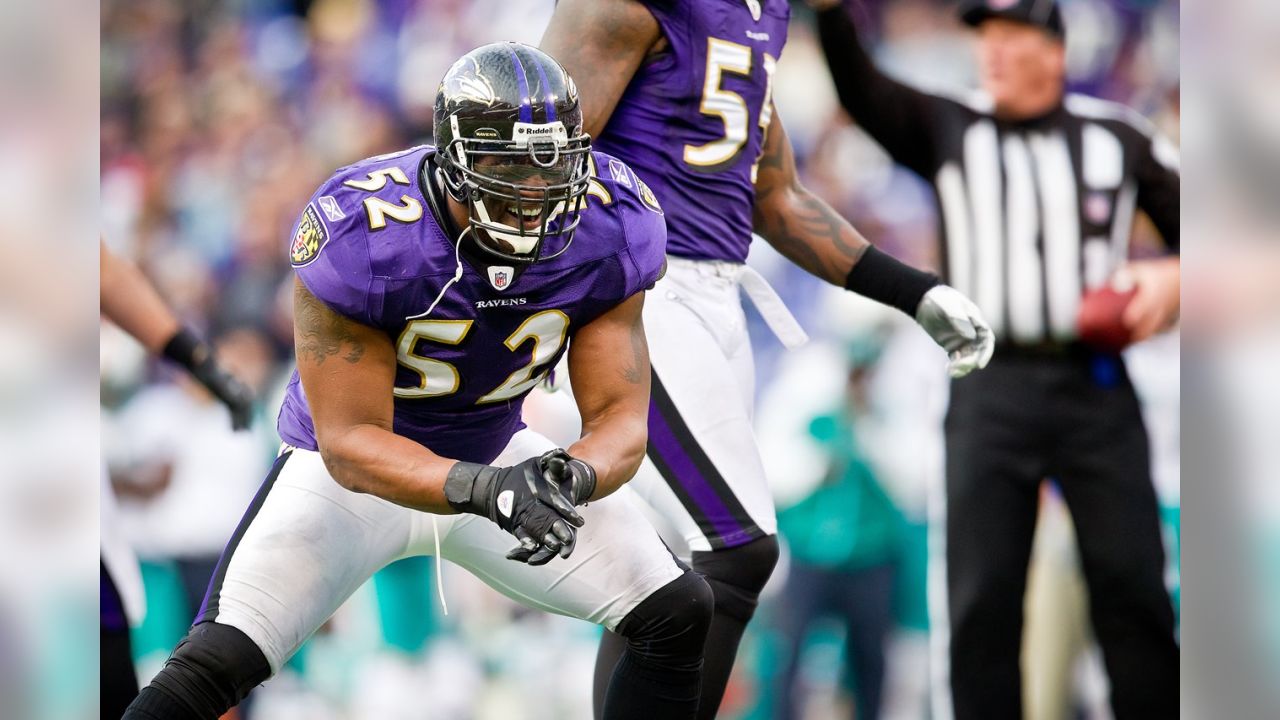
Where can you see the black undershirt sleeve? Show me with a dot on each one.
(897, 116)
(1159, 187)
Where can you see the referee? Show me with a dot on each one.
(1037, 191)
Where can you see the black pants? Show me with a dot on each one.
(863, 601)
(1073, 417)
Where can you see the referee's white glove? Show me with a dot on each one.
(955, 323)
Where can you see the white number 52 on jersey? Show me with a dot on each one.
(547, 329)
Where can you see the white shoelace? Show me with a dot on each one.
(435, 530)
(457, 275)
(435, 523)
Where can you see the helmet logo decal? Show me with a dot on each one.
(572, 95)
(754, 7)
(475, 88)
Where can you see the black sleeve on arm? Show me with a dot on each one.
(886, 280)
(1159, 186)
(186, 349)
(896, 115)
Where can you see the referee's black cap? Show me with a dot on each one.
(1043, 14)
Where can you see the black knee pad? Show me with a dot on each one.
(738, 574)
(670, 626)
(213, 669)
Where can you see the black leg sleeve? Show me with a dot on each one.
(660, 673)
(213, 669)
(612, 647)
(736, 576)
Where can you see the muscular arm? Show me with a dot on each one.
(601, 43)
(129, 300)
(609, 369)
(348, 372)
(896, 115)
(801, 226)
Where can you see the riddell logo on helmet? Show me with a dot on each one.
(522, 133)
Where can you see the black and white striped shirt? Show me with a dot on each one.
(1033, 212)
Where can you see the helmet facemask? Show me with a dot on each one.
(522, 191)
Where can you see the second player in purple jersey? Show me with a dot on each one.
(369, 246)
(693, 120)
(682, 92)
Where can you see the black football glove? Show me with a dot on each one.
(521, 500)
(577, 482)
(189, 351)
(577, 479)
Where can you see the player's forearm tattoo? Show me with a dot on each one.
(813, 235)
(633, 373)
(800, 225)
(320, 333)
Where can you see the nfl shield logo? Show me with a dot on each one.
(500, 276)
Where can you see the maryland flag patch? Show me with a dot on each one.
(647, 197)
(309, 239)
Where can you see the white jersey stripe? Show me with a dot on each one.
(982, 169)
(955, 216)
(1060, 205)
(1026, 291)
(1103, 158)
(1122, 224)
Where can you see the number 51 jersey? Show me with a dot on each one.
(693, 119)
(369, 246)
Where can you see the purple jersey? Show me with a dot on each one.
(692, 121)
(369, 247)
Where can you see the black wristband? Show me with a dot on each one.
(883, 278)
(187, 349)
(588, 479)
(466, 488)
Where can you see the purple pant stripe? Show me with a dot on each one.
(668, 447)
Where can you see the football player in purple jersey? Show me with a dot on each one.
(680, 91)
(434, 288)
